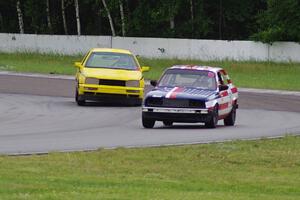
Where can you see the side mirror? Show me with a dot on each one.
(145, 68)
(78, 64)
(153, 83)
(223, 87)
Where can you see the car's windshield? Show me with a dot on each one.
(111, 60)
(188, 78)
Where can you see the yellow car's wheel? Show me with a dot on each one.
(79, 101)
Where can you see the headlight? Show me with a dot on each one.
(132, 83)
(94, 81)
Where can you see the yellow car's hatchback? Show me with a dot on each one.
(109, 75)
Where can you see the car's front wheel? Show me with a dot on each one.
(212, 123)
(148, 123)
(79, 101)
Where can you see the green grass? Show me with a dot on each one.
(38, 63)
(265, 169)
(269, 75)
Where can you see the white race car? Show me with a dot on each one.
(189, 93)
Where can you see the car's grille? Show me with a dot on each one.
(112, 82)
(154, 102)
(196, 104)
(175, 103)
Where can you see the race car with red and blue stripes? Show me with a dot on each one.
(191, 93)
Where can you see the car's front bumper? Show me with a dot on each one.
(105, 92)
(176, 114)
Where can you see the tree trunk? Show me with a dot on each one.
(122, 17)
(77, 17)
(64, 16)
(172, 23)
(172, 17)
(110, 19)
(20, 17)
(192, 15)
(48, 16)
(1, 22)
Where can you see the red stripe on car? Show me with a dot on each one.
(224, 94)
(223, 106)
(175, 92)
(234, 90)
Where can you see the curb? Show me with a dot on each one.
(69, 77)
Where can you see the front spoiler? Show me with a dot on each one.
(176, 114)
(107, 97)
(87, 89)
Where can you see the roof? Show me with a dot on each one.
(111, 50)
(196, 67)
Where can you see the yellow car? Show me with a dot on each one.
(109, 75)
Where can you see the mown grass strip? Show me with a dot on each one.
(268, 75)
(266, 169)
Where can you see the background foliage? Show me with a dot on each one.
(263, 20)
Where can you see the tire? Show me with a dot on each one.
(168, 123)
(212, 123)
(148, 123)
(79, 102)
(230, 119)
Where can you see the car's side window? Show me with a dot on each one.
(220, 79)
(224, 78)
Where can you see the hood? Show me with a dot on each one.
(114, 74)
(182, 93)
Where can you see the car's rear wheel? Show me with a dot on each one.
(230, 119)
(148, 123)
(168, 123)
(79, 101)
(212, 123)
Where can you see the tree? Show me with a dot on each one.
(20, 17)
(48, 16)
(77, 17)
(63, 14)
(1, 22)
(192, 14)
(280, 22)
(200, 19)
(110, 18)
(169, 10)
(122, 18)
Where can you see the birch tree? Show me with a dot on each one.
(63, 13)
(77, 17)
(48, 16)
(110, 19)
(20, 17)
(192, 15)
(1, 21)
(122, 18)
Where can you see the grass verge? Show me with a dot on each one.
(269, 75)
(265, 169)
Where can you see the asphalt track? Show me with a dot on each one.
(39, 115)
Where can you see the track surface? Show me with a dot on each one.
(37, 123)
